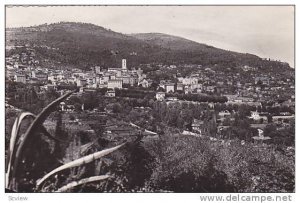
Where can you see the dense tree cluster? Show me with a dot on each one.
(135, 93)
(207, 166)
(281, 137)
(28, 97)
(180, 114)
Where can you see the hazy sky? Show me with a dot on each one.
(267, 31)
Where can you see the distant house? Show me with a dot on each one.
(105, 78)
(169, 87)
(189, 81)
(62, 106)
(69, 108)
(111, 84)
(52, 77)
(248, 68)
(283, 118)
(258, 117)
(41, 77)
(110, 93)
(97, 69)
(145, 83)
(210, 88)
(160, 96)
(255, 116)
(172, 99)
(20, 78)
(179, 87)
(224, 114)
(50, 87)
(197, 126)
(187, 89)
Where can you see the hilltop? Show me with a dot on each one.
(83, 45)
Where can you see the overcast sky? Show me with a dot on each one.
(267, 31)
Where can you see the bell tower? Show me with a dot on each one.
(124, 67)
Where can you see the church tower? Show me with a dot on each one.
(124, 67)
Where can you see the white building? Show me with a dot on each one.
(169, 87)
(110, 93)
(114, 84)
(179, 86)
(20, 78)
(97, 69)
(255, 115)
(119, 73)
(224, 114)
(52, 78)
(145, 83)
(62, 106)
(189, 81)
(160, 96)
(105, 78)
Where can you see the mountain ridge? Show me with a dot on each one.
(89, 44)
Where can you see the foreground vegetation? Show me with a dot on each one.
(171, 162)
(207, 166)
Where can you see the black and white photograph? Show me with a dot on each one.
(149, 99)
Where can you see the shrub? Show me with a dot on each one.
(185, 164)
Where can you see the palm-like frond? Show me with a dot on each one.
(78, 162)
(35, 125)
(82, 181)
(12, 143)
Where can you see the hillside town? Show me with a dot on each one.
(258, 91)
(206, 120)
(150, 99)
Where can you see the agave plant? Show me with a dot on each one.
(18, 144)
(12, 145)
(79, 162)
(81, 182)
